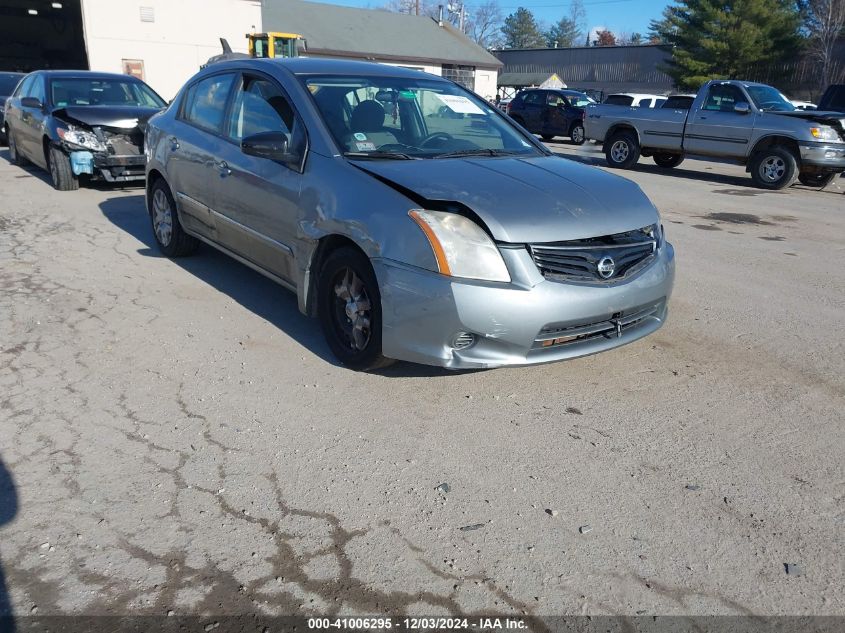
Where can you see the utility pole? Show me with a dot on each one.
(418, 7)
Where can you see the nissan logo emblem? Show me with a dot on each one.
(606, 267)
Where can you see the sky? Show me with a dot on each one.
(620, 16)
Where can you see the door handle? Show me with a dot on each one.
(174, 143)
(223, 166)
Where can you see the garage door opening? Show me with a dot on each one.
(37, 34)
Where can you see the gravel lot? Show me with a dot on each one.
(175, 436)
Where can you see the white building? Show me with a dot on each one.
(166, 41)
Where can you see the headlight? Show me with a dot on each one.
(82, 138)
(461, 247)
(824, 133)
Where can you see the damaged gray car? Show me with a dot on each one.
(80, 124)
(457, 240)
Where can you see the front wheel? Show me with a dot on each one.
(816, 180)
(622, 150)
(667, 161)
(577, 134)
(349, 308)
(60, 172)
(773, 168)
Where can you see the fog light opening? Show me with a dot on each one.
(463, 340)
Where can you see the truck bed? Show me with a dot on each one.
(660, 128)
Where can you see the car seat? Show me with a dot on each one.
(368, 119)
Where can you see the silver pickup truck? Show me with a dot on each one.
(751, 123)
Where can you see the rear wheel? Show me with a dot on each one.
(667, 161)
(170, 236)
(14, 153)
(816, 180)
(622, 150)
(349, 307)
(577, 134)
(60, 172)
(773, 168)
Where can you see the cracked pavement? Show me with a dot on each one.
(176, 437)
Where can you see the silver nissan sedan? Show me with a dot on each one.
(416, 221)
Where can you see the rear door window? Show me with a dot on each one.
(534, 98)
(644, 103)
(205, 102)
(622, 100)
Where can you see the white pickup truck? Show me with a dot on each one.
(751, 123)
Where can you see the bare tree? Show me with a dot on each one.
(485, 23)
(825, 23)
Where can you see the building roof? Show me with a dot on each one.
(606, 68)
(374, 34)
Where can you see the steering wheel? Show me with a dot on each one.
(434, 136)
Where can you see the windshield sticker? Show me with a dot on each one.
(366, 147)
(459, 104)
(360, 136)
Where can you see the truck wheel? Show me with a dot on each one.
(623, 150)
(773, 168)
(576, 134)
(60, 172)
(169, 234)
(816, 180)
(667, 161)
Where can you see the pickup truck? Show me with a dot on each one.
(751, 123)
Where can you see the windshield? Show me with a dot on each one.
(8, 83)
(79, 91)
(767, 98)
(391, 117)
(579, 100)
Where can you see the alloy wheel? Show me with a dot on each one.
(352, 314)
(578, 135)
(772, 169)
(619, 151)
(162, 217)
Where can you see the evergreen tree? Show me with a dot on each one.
(726, 38)
(521, 30)
(563, 34)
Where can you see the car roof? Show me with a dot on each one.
(637, 95)
(86, 74)
(319, 66)
(11, 74)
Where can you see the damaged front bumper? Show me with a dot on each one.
(429, 318)
(109, 167)
(829, 157)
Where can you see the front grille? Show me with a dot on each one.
(621, 254)
(618, 324)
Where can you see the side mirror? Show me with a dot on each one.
(741, 107)
(31, 102)
(269, 145)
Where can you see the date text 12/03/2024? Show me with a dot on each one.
(417, 624)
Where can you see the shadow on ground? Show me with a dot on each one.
(256, 293)
(8, 510)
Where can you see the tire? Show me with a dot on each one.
(547, 137)
(576, 134)
(816, 180)
(668, 161)
(347, 289)
(14, 154)
(60, 172)
(167, 230)
(622, 150)
(773, 168)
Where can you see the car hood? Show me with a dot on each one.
(522, 200)
(123, 117)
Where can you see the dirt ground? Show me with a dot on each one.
(176, 437)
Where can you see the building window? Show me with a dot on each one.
(148, 14)
(464, 75)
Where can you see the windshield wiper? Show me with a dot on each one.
(478, 152)
(381, 155)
